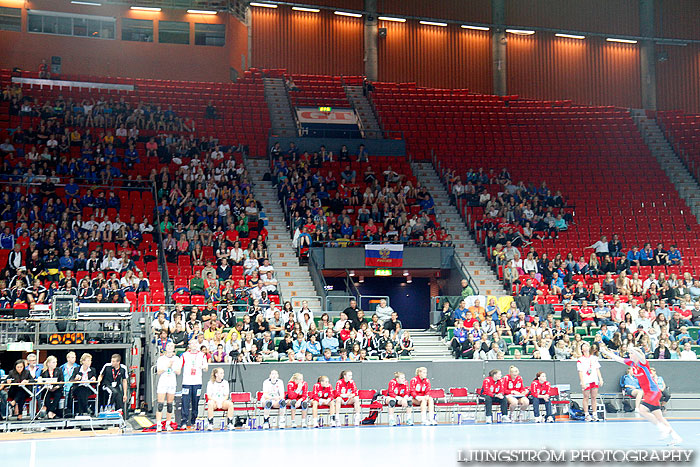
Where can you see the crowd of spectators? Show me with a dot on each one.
(337, 208)
(250, 330)
(488, 331)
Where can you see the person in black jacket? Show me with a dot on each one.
(51, 394)
(17, 395)
(82, 392)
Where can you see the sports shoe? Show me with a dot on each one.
(266, 425)
(392, 421)
(675, 439)
(433, 422)
(231, 426)
(334, 423)
(550, 419)
(489, 420)
(303, 423)
(209, 427)
(594, 417)
(506, 419)
(588, 418)
(426, 422)
(664, 431)
(538, 419)
(159, 427)
(409, 422)
(281, 423)
(294, 424)
(315, 423)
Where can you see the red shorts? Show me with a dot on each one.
(652, 398)
(592, 386)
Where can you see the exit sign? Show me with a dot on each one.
(382, 272)
(325, 109)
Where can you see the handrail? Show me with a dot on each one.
(318, 280)
(350, 286)
(465, 273)
(165, 278)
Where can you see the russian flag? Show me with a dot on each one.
(385, 255)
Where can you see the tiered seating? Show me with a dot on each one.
(241, 106)
(683, 131)
(315, 91)
(594, 155)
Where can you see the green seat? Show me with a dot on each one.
(269, 358)
(581, 330)
(405, 357)
(513, 348)
(694, 332)
(529, 349)
(450, 333)
(593, 330)
(277, 340)
(696, 349)
(589, 339)
(507, 339)
(508, 357)
(318, 322)
(372, 357)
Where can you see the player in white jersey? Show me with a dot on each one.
(218, 397)
(194, 362)
(168, 367)
(591, 380)
(273, 398)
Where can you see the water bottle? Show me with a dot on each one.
(398, 420)
(346, 419)
(223, 424)
(199, 425)
(459, 418)
(320, 422)
(498, 417)
(249, 425)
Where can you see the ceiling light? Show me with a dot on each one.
(76, 2)
(145, 8)
(309, 10)
(263, 5)
(391, 18)
(202, 12)
(405, 273)
(409, 279)
(522, 32)
(475, 28)
(362, 279)
(433, 23)
(347, 13)
(351, 273)
(570, 36)
(623, 41)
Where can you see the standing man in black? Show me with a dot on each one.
(112, 380)
(352, 310)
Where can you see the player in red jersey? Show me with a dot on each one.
(398, 394)
(420, 392)
(539, 391)
(297, 398)
(492, 391)
(650, 407)
(322, 394)
(346, 394)
(516, 392)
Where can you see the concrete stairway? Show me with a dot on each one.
(662, 150)
(281, 114)
(465, 246)
(294, 281)
(365, 111)
(427, 345)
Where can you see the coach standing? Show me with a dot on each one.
(112, 379)
(193, 363)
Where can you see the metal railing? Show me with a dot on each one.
(115, 330)
(465, 273)
(317, 279)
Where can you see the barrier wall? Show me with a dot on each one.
(678, 375)
(375, 147)
(413, 258)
